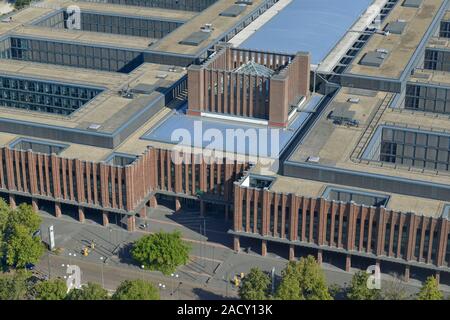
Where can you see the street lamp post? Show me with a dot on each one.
(142, 268)
(174, 276)
(161, 287)
(103, 278)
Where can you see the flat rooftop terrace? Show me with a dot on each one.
(439, 43)
(315, 26)
(110, 110)
(84, 37)
(135, 11)
(221, 25)
(274, 139)
(439, 78)
(401, 47)
(340, 147)
(396, 202)
(446, 16)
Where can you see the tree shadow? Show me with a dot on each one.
(203, 294)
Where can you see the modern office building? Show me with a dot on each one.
(369, 182)
(96, 96)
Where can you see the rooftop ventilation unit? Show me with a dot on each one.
(385, 51)
(412, 3)
(395, 27)
(373, 58)
(353, 100)
(161, 75)
(196, 38)
(94, 126)
(207, 27)
(233, 11)
(313, 159)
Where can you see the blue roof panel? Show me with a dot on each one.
(315, 26)
(273, 138)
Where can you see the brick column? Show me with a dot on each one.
(348, 263)
(12, 201)
(34, 204)
(81, 216)
(58, 212)
(406, 275)
(196, 85)
(319, 256)
(177, 204)
(105, 215)
(264, 248)
(131, 222)
(438, 276)
(278, 104)
(153, 202)
(291, 253)
(236, 244)
(143, 212)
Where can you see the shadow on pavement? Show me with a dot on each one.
(203, 294)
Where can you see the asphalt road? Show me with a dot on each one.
(212, 262)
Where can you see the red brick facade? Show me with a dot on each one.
(353, 228)
(217, 88)
(113, 188)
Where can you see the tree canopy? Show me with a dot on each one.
(161, 251)
(136, 290)
(19, 4)
(359, 290)
(18, 246)
(430, 290)
(14, 286)
(303, 280)
(255, 285)
(90, 291)
(50, 290)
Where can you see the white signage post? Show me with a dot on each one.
(51, 238)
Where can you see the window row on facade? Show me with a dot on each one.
(347, 226)
(195, 176)
(138, 27)
(416, 149)
(186, 5)
(76, 55)
(427, 98)
(59, 178)
(444, 31)
(43, 96)
(437, 60)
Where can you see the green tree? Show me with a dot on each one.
(50, 290)
(161, 251)
(19, 4)
(358, 289)
(91, 291)
(22, 248)
(136, 290)
(430, 290)
(255, 285)
(303, 280)
(14, 286)
(18, 246)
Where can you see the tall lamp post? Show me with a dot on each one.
(161, 286)
(103, 278)
(174, 276)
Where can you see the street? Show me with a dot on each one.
(212, 261)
